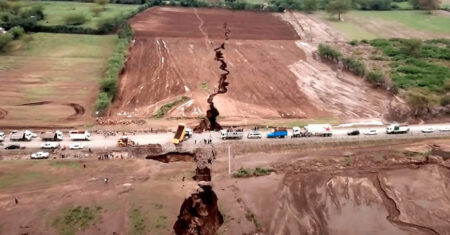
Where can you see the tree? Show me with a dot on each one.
(310, 5)
(338, 7)
(426, 4)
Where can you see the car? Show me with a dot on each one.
(76, 146)
(427, 130)
(353, 132)
(444, 129)
(40, 155)
(12, 146)
(254, 135)
(50, 145)
(371, 132)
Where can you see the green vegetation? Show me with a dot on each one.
(14, 13)
(252, 217)
(14, 33)
(354, 66)
(137, 220)
(57, 12)
(415, 63)
(248, 172)
(161, 222)
(338, 7)
(76, 218)
(65, 163)
(376, 78)
(109, 84)
(165, 108)
(328, 53)
(365, 24)
(75, 19)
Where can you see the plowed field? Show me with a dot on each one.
(172, 56)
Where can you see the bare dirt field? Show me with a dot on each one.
(52, 80)
(399, 188)
(273, 72)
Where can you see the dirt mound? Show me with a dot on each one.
(199, 214)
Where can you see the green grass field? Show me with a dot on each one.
(387, 24)
(52, 67)
(56, 11)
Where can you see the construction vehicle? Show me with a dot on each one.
(21, 135)
(397, 129)
(278, 132)
(79, 135)
(179, 134)
(232, 133)
(188, 133)
(124, 141)
(52, 136)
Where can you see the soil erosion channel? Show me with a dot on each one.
(210, 122)
(199, 213)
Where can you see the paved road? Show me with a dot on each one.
(339, 133)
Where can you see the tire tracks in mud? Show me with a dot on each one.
(79, 109)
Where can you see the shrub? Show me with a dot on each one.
(419, 102)
(354, 65)
(243, 173)
(102, 102)
(445, 100)
(353, 42)
(328, 53)
(75, 19)
(16, 32)
(375, 78)
(5, 39)
(165, 108)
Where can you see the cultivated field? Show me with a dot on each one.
(56, 11)
(273, 74)
(388, 24)
(52, 80)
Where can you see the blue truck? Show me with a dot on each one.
(279, 132)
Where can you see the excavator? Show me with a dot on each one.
(124, 141)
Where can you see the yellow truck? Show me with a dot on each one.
(179, 134)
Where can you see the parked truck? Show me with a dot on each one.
(21, 136)
(52, 136)
(232, 133)
(179, 134)
(324, 130)
(397, 129)
(278, 132)
(79, 135)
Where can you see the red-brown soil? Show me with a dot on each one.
(271, 74)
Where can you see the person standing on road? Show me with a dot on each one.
(16, 200)
(106, 180)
